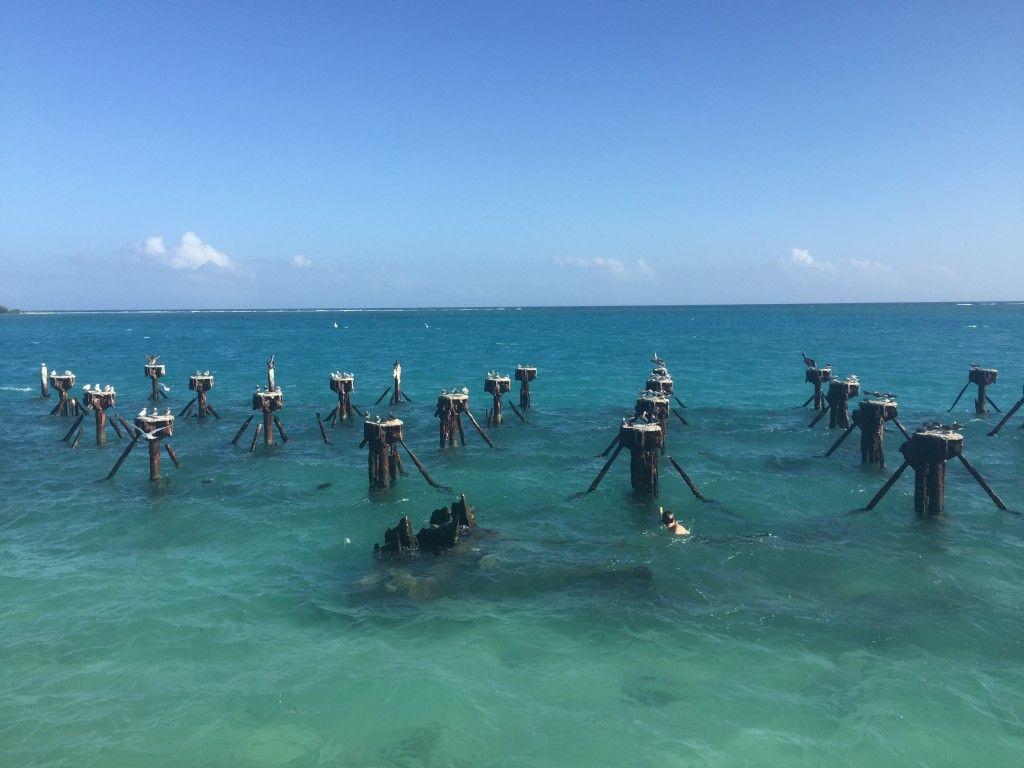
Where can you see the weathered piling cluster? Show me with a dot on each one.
(154, 372)
(643, 434)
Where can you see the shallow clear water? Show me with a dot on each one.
(234, 616)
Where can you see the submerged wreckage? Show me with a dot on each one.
(447, 527)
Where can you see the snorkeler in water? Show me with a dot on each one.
(668, 520)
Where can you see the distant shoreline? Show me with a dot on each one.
(297, 310)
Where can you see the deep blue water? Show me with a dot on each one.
(232, 614)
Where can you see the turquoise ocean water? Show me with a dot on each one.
(234, 616)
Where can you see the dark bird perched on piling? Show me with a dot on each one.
(926, 452)
(816, 376)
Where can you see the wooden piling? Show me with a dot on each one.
(870, 417)
(927, 452)
(643, 441)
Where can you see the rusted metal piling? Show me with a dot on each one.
(449, 410)
(1007, 417)
(643, 440)
(654, 405)
(817, 377)
(838, 401)
(99, 399)
(870, 417)
(154, 372)
(63, 383)
(524, 375)
(496, 385)
(200, 383)
(384, 464)
(927, 452)
(155, 427)
(983, 377)
(342, 385)
(268, 403)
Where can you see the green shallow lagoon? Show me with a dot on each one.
(234, 616)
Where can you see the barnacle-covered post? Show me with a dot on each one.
(201, 383)
(63, 383)
(524, 375)
(99, 399)
(839, 393)
(342, 384)
(156, 426)
(154, 372)
(496, 385)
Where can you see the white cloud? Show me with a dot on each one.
(190, 253)
(800, 258)
(301, 262)
(614, 267)
(871, 267)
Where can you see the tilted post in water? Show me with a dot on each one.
(1007, 417)
(983, 377)
(154, 372)
(496, 385)
(99, 399)
(839, 393)
(63, 383)
(927, 452)
(816, 376)
(524, 375)
(201, 383)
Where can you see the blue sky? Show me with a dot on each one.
(416, 154)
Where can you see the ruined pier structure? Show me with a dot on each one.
(99, 399)
(200, 383)
(496, 386)
(154, 372)
(524, 375)
(155, 427)
(342, 385)
(817, 377)
(384, 464)
(63, 383)
(871, 416)
(839, 393)
(449, 410)
(927, 452)
(983, 377)
(655, 406)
